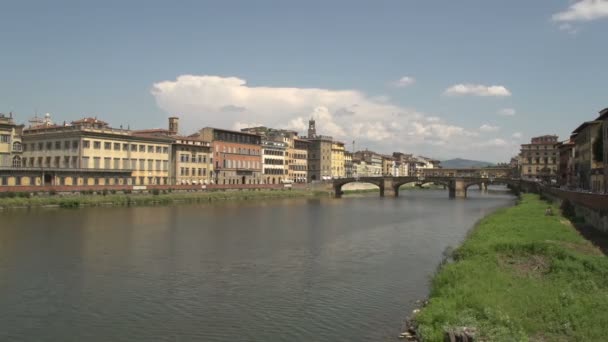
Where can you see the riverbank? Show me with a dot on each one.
(521, 276)
(156, 198)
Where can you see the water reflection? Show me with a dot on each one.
(280, 270)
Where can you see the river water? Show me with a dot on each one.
(345, 269)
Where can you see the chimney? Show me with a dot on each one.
(173, 125)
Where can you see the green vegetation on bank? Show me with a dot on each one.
(521, 276)
(24, 200)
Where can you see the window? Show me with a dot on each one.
(142, 148)
(75, 144)
(49, 145)
(96, 162)
(159, 149)
(16, 146)
(165, 150)
(125, 147)
(85, 162)
(66, 145)
(133, 164)
(150, 149)
(133, 148)
(106, 162)
(16, 162)
(142, 164)
(5, 138)
(97, 145)
(150, 166)
(158, 165)
(116, 146)
(116, 163)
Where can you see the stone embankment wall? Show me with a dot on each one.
(144, 188)
(592, 207)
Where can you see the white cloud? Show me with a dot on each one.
(584, 10)
(517, 135)
(477, 90)
(374, 122)
(507, 112)
(404, 82)
(488, 128)
(497, 142)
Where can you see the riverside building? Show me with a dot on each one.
(90, 152)
(298, 161)
(587, 168)
(337, 160)
(539, 158)
(273, 166)
(236, 155)
(190, 160)
(10, 142)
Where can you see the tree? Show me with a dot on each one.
(598, 146)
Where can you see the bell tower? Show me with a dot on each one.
(173, 125)
(312, 130)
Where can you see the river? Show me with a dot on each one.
(345, 269)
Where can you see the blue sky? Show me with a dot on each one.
(234, 63)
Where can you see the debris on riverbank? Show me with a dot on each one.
(519, 276)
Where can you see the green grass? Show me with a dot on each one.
(521, 276)
(74, 201)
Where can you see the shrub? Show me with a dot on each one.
(52, 192)
(104, 192)
(127, 191)
(155, 192)
(23, 194)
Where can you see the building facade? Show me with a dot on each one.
(298, 161)
(191, 161)
(566, 164)
(11, 147)
(274, 162)
(337, 160)
(98, 153)
(237, 155)
(369, 163)
(539, 159)
(588, 170)
(348, 164)
(388, 166)
(603, 117)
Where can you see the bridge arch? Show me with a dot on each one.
(339, 183)
(487, 181)
(398, 183)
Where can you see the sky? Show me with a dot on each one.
(470, 78)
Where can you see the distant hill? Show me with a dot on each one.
(459, 163)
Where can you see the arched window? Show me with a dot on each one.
(16, 161)
(17, 146)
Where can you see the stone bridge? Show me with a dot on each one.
(457, 186)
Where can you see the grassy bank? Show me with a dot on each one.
(74, 201)
(521, 276)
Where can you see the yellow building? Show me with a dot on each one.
(89, 152)
(10, 142)
(338, 169)
(191, 161)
